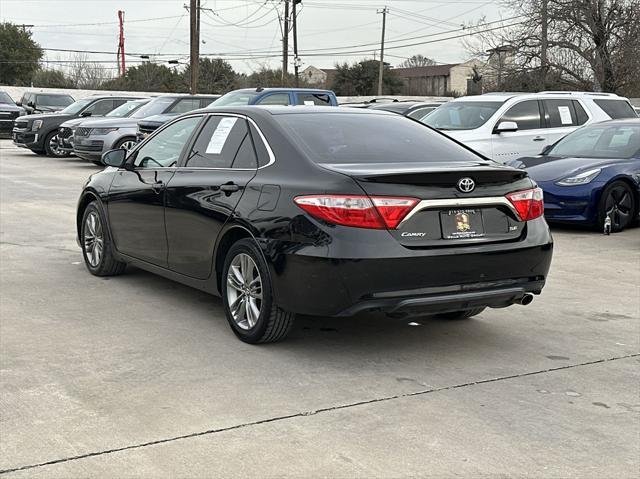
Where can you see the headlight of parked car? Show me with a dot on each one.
(581, 179)
(102, 131)
(36, 125)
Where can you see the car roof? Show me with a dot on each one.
(503, 96)
(271, 89)
(269, 110)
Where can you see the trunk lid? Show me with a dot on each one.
(446, 216)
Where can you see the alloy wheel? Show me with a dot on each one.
(618, 207)
(244, 291)
(93, 239)
(54, 146)
(128, 145)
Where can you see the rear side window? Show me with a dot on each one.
(561, 113)
(224, 142)
(341, 138)
(260, 147)
(616, 108)
(526, 114)
(321, 99)
(581, 115)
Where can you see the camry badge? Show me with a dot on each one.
(462, 222)
(466, 185)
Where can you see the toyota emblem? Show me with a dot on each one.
(466, 185)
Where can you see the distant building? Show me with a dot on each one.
(442, 80)
(322, 77)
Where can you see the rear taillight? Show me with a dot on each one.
(377, 212)
(528, 203)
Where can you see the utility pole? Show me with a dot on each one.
(194, 14)
(384, 12)
(296, 61)
(543, 47)
(122, 67)
(285, 43)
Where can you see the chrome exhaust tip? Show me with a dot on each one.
(526, 299)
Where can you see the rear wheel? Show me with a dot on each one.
(464, 314)
(618, 204)
(52, 146)
(97, 249)
(248, 296)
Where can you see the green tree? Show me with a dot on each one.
(148, 77)
(265, 77)
(214, 76)
(19, 55)
(51, 79)
(361, 79)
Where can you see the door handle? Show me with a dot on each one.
(539, 138)
(229, 187)
(157, 186)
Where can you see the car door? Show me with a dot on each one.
(204, 192)
(137, 195)
(528, 140)
(561, 117)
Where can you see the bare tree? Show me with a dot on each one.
(417, 61)
(87, 74)
(590, 44)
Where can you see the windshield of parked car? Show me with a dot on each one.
(462, 115)
(5, 98)
(235, 98)
(54, 100)
(156, 106)
(600, 141)
(126, 109)
(370, 138)
(77, 106)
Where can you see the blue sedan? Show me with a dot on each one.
(591, 176)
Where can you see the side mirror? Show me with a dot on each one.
(546, 150)
(19, 103)
(85, 113)
(506, 126)
(31, 104)
(115, 157)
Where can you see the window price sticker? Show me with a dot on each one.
(219, 137)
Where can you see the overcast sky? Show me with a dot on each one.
(248, 31)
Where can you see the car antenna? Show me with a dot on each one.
(259, 89)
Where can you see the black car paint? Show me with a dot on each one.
(316, 268)
(8, 113)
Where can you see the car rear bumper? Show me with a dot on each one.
(428, 281)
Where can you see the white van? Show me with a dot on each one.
(506, 126)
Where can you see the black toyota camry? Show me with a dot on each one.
(321, 211)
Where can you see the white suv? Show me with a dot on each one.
(505, 126)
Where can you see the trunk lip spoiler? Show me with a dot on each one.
(460, 202)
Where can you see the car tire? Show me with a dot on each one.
(127, 143)
(617, 202)
(463, 314)
(97, 163)
(248, 298)
(97, 249)
(50, 148)
(40, 152)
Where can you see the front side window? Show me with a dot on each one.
(600, 142)
(275, 99)
(224, 142)
(156, 106)
(462, 115)
(526, 114)
(165, 148)
(185, 105)
(322, 99)
(100, 108)
(616, 108)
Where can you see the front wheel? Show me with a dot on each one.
(248, 296)
(52, 146)
(617, 204)
(126, 143)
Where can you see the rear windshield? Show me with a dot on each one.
(462, 115)
(235, 98)
(376, 138)
(54, 100)
(616, 108)
(600, 141)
